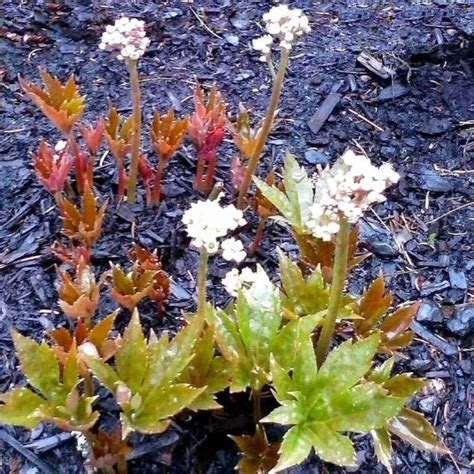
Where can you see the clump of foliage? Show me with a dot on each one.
(207, 128)
(278, 338)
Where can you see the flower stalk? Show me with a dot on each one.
(202, 282)
(266, 127)
(137, 125)
(336, 292)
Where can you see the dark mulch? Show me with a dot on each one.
(419, 122)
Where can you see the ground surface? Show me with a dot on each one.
(420, 124)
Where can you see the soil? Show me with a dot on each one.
(421, 120)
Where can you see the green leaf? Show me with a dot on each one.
(167, 365)
(290, 413)
(71, 369)
(161, 403)
(302, 296)
(278, 199)
(331, 446)
(296, 446)
(20, 406)
(286, 342)
(106, 374)
(281, 380)
(362, 408)
(403, 385)
(383, 447)
(414, 428)
(131, 357)
(208, 371)
(39, 364)
(346, 364)
(227, 336)
(382, 373)
(305, 366)
(299, 189)
(336, 399)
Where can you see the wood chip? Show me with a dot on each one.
(375, 66)
(317, 121)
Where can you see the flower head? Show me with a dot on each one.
(207, 221)
(256, 284)
(346, 190)
(263, 44)
(127, 37)
(233, 249)
(284, 24)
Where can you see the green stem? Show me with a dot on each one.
(202, 282)
(336, 292)
(266, 128)
(271, 66)
(137, 126)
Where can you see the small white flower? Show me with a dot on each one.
(232, 282)
(256, 284)
(207, 221)
(263, 43)
(286, 24)
(233, 249)
(347, 190)
(126, 37)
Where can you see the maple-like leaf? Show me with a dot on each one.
(258, 455)
(128, 289)
(207, 130)
(322, 404)
(167, 136)
(85, 224)
(79, 296)
(62, 104)
(317, 252)
(295, 200)
(145, 380)
(207, 370)
(56, 398)
(118, 132)
(52, 169)
(88, 339)
(149, 261)
(408, 425)
(93, 136)
(394, 328)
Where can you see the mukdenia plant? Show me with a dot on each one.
(285, 25)
(326, 357)
(127, 39)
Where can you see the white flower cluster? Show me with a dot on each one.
(257, 286)
(283, 23)
(233, 249)
(347, 189)
(127, 37)
(207, 221)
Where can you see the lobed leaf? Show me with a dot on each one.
(38, 363)
(415, 429)
(353, 360)
(383, 447)
(258, 454)
(131, 357)
(20, 407)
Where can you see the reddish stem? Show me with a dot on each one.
(258, 236)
